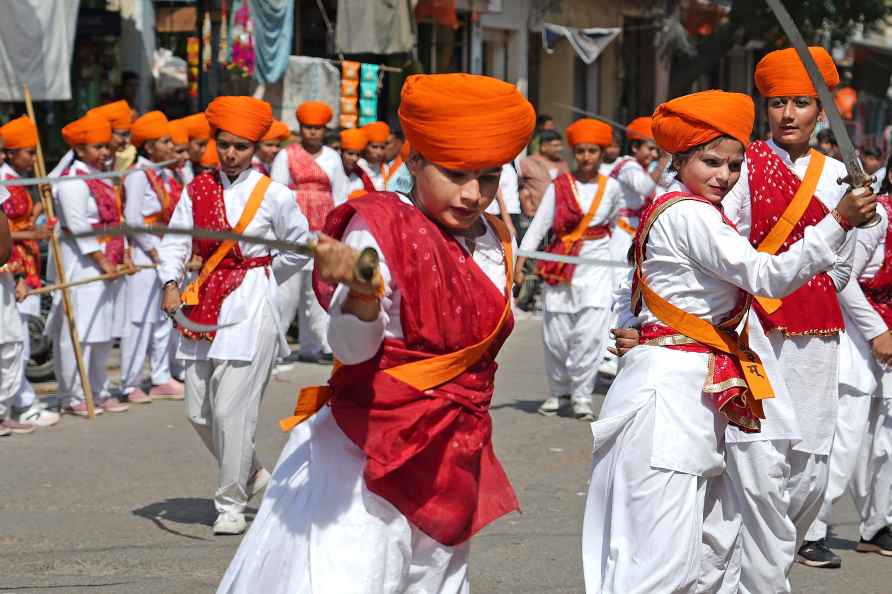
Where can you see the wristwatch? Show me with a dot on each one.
(169, 283)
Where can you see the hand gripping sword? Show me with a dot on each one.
(366, 265)
(856, 176)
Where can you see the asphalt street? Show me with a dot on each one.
(123, 504)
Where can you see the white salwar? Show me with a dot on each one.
(226, 377)
(296, 296)
(92, 304)
(577, 314)
(11, 341)
(659, 441)
(782, 471)
(147, 330)
(860, 457)
(319, 528)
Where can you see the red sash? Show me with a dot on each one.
(260, 167)
(429, 452)
(878, 290)
(726, 387)
(367, 186)
(175, 192)
(814, 307)
(25, 258)
(209, 212)
(109, 209)
(311, 185)
(568, 216)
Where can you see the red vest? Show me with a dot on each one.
(878, 290)
(814, 307)
(25, 258)
(429, 453)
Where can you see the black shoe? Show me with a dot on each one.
(292, 357)
(320, 359)
(881, 543)
(818, 554)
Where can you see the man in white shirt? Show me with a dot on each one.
(227, 371)
(11, 339)
(315, 174)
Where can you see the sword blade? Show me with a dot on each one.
(590, 114)
(857, 177)
(181, 320)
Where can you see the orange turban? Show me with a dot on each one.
(639, 129)
(179, 132)
(210, 158)
(589, 131)
(313, 113)
(90, 129)
(465, 121)
(151, 126)
(404, 151)
(19, 133)
(377, 131)
(781, 73)
(354, 139)
(118, 114)
(689, 121)
(278, 131)
(198, 126)
(243, 116)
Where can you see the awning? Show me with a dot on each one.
(587, 43)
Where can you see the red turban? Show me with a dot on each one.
(377, 131)
(90, 129)
(118, 114)
(210, 158)
(781, 73)
(313, 113)
(689, 121)
(354, 139)
(589, 131)
(19, 133)
(246, 117)
(465, 121)
(640, 129)
(278, 131)
(179, 132)
(198, 126)
(151, 126)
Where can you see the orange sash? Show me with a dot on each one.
(576, 234)
(190, 295)
(790, 218)
(424, 374)
(163, 198)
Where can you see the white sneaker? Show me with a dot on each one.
(610, 367)
(230, 523)
(550, 407)
(258, 482)
(37, 415)
(582, 410)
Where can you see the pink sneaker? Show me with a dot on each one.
(172, 390)
(113, 405)
(137, 396)
(80, 409)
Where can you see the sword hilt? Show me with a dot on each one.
(367, 264)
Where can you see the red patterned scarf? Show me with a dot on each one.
(311, 185)
(25, 258)
(878, 290)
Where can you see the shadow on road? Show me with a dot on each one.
(183, 510)
(527, 406)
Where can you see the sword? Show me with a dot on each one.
(366, 265)
(856, 176)
(590, 114)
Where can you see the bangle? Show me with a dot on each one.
(843, 222)
(363, 297)
(169, 283)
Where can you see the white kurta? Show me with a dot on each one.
(636, 185)
(11, 341)
(658, 438)
(277, 218)
(319, 529)
(577, 314)
(375, 173)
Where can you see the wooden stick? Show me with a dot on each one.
(77, 283)
(46, 199)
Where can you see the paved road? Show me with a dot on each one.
(123, 504)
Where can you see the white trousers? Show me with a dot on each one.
(10, 375)
(772, 494)
(65, 367)
(25, 396)
(141, 340)
(643, 526)
(871, 484)
(574, 345)
(319, 530)
(296, 297)
(223, 403)
(851, 429)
